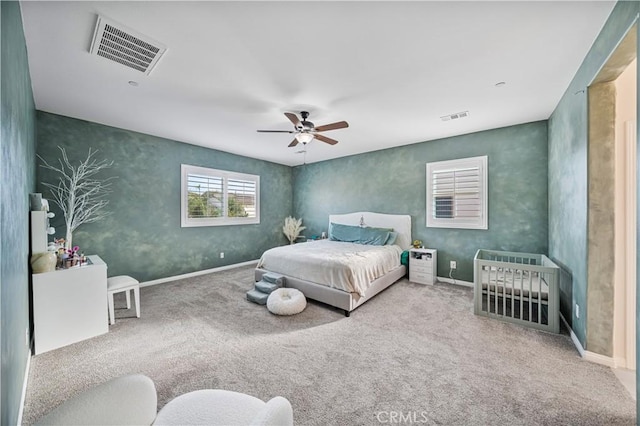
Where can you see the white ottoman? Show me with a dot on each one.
(286, 301)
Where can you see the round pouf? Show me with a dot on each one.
(286, 301)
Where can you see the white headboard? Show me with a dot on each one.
(399, 222)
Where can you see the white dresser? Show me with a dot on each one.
(69, 305)
(423, 265)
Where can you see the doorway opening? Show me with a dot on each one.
(613, 186)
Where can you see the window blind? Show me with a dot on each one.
(241, 193)
(206, 196)
(456, 193)
(211, 197)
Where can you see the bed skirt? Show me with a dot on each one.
(338, 298)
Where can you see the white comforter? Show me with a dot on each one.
(345, 266)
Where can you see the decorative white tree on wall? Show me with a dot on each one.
(78, 193)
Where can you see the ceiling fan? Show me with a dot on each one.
(305, 131)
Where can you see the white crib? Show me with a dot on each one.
(521, 288)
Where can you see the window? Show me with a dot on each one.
(457, 193)
(216, 197)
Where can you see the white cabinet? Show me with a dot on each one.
(69, 305)
(423, 266)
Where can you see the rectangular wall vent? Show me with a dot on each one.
(125, 46)
(455, 116)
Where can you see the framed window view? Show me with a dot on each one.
(457, 193)
(211, 197)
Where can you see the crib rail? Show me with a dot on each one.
(522, 288)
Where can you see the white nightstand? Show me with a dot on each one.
(423, 265)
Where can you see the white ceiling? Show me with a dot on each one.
(391, 69)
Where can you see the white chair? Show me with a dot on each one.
(127, 400)
(217, 407)
(132, 400)
(119, 284)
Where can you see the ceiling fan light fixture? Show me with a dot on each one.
(305, 131)
(304, 137)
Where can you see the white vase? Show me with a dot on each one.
(43, 262)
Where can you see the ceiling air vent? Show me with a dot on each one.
(120, 44)
(455, 116)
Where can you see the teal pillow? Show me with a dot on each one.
(345, 233)
(392, 238)
(359, 235)
(374, 236)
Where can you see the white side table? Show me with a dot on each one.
(69, 305)
(423, 264)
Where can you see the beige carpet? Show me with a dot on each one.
(415, 353)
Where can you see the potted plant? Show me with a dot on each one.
(292, 228)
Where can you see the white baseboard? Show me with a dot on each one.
(24, 388)
(251, 262)
(454, 281)
(197, 273)
(574, 338)
(592, 356)
(621, 362)
(602, 359)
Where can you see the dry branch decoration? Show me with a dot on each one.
(292, 228)
(78, 193)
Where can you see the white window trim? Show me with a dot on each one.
(185, 221)
(459, 223)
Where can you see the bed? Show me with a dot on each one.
(342, 274)
(521, 288)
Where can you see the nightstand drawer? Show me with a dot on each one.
(417, 272)
(421, 267)
(420, 278)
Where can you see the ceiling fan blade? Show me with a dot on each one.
(332, 126)
(325, 139)
(293, 118)
(294, 142)
(275, 131)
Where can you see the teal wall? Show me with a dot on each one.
(394, 181)
(638, 222)
(142, 237)
(18, 145)
(568, 127)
